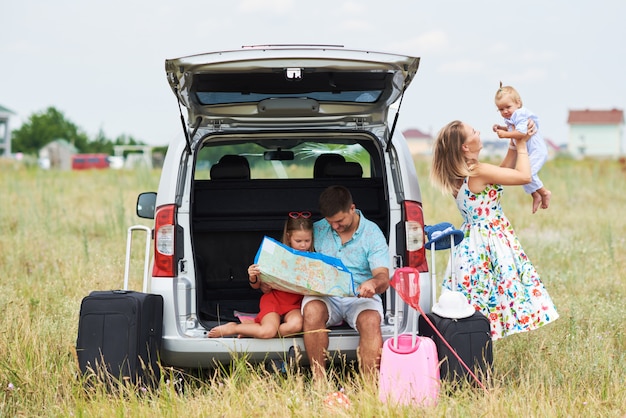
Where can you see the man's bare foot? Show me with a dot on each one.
(545, 199)
(223, 330)
(536, 201)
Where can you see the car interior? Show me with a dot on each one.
(232, 212)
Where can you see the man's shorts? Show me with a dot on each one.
(346, 308)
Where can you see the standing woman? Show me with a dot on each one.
(492, 269)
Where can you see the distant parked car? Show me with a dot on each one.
(268, 129)
(87, 161)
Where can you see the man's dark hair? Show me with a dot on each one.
(335, 199)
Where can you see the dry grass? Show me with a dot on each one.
(63, 235)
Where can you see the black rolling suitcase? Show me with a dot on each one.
(470, 338)
(120, 331)
(469, 335)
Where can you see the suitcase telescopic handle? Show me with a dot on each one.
(146, 263)
(433, 275)
(454, 283)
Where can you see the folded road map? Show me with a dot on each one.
(301, 272)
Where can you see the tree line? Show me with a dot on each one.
(47, 126)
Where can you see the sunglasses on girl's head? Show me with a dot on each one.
(296, 215)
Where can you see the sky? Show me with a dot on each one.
(101, 63)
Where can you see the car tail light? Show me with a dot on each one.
(164, 242)
(414, 234)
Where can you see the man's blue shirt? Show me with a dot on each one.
(364, 252)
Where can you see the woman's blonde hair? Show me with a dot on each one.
(508, 91)
(449, 164)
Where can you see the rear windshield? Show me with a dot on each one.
(323, 86)
(213, 98)
(305, 160)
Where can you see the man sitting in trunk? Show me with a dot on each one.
(346, 234)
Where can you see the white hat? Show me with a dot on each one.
(453, 305)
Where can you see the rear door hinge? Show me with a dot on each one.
(182, 266)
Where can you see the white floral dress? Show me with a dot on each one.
(493, 270)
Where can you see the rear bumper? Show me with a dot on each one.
(197, 351)
(188, 352)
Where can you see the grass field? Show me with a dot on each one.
(63, 234)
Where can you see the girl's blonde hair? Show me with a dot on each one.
(449, 164)
(508, 91)
(297, 224)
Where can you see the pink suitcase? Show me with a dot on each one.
(409, 366)
(409, 373)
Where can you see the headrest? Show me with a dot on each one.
(322, 161)
(231, 167)
(345, 170)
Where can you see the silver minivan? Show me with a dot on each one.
(266, 129)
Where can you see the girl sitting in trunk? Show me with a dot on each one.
(279, 310)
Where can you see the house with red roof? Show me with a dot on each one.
(419, 143)
(596, 133)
